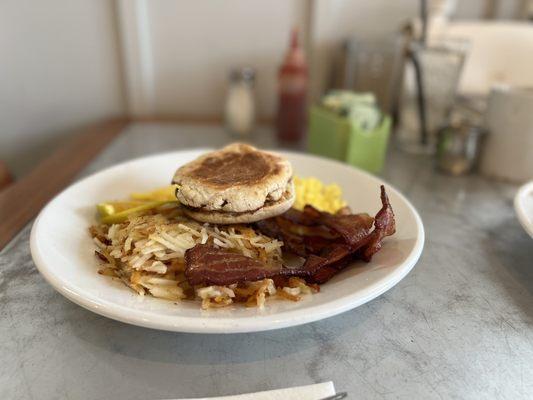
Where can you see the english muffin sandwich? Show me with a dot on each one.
(237, 184)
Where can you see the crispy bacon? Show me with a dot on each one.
(320, 269)
(312, 222)
(353, 227)
(208, 265)
(292, 242)
(325, 254)
(384, 225)
(350, 226)
(300, 217)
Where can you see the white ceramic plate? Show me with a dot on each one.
(64, 252)
(523, 205)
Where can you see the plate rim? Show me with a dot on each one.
(225, 325)
(523, 191)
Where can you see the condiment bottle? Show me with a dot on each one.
(240, 102)
(292, 78)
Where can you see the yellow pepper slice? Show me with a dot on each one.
(167, 193)
(122, 216)
(114, 207)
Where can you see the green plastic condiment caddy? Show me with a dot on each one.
(331, 135)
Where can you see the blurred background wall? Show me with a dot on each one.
(66, 63)
(59, 70)
(195, 44)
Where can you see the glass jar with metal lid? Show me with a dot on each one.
(458, 146)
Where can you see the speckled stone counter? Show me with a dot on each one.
(459, 326)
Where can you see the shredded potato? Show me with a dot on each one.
(146, 252)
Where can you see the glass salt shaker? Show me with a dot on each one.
(240, 102)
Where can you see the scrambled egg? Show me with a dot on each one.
(314, 192)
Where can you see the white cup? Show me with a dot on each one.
(508, 151)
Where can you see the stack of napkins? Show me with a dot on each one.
(310, 392)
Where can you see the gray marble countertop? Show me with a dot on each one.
(459, 326)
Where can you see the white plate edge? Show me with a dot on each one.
(523, 191)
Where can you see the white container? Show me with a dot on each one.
(508, 152)
(240, 103)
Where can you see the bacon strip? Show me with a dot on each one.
(322, 268)
(208, 265)
(292, 242)
(343, 222)
(325, 256)
(353, 227)
(334, 258)
(384, 226)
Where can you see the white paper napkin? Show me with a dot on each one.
(309, 392)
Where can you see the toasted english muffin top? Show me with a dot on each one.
(237, 178)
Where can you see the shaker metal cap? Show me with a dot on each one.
(246, 74)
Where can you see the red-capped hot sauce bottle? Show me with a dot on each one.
(292, 79)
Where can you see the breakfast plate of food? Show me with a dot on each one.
(223, 241)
